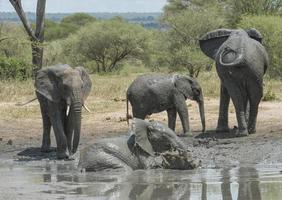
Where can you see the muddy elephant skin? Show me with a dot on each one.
(61, 92)
(150, 145)
(153, 93)
(241, 62)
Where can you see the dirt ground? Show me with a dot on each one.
(22, 136)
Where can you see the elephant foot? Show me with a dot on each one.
(252, 130)
(45, 149)
(221, 129)
(242, 133)
(186, 134)
(61, 156)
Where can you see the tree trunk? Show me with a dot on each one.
(37, 57)
(37, 36)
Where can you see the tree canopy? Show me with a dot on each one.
(107, 43)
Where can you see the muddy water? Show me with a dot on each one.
(47, 179)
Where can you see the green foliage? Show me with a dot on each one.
(107, 43)
(14, 41)
(271, 29)
(14, 68)
(68, 25)
(185, 27)
(269, 94)
(239, 8)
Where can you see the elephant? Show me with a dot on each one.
(150, 145)
(153, 93)
(61, 91)
(241, 62)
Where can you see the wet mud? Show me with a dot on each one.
(232, 167)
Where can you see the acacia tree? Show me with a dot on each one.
(187, 20)
(36, 37)
(107, 43)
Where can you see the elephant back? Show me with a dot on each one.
(110, 153)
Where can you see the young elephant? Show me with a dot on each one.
(150, 145)
(61, 92)
(155, 93)
(241, 61)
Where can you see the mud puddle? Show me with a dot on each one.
(47, 179)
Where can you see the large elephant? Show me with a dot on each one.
(155, 93)
(150, 145)
(241, 61)
(61, 92)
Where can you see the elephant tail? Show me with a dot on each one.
(127, 115)
(25, 103)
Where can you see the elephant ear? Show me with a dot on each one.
(254, 34)
(47, 81)
(183, 85)
(211, 41)
(140, 129)
(87, 83)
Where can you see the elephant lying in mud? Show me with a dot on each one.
(150, 145)
(61, 92)
(241, 61)
(155, 93)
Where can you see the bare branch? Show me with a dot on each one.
(19, 9)
(40, 14)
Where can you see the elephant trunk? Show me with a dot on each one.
(76, 120)
(180, 146)
(202, 114)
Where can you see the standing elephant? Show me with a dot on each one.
(155, 93)
(150, 145)
(61, 92)
(241, 61)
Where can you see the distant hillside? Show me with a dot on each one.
(148, 20)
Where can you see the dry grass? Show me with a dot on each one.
(107, 95)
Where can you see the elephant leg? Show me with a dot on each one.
(239, 100)
(46, 141)
(171, 114)
(255, 98)
(182, 111)
(247, 111)
(222, 124)
(58, 127)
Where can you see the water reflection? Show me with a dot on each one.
(63, 180)
(248, 184)
(225, 185)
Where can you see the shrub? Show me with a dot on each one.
(269, 94)
(14, 68)
(107, 43)
(271, 29)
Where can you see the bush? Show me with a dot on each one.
(14, 68)
(105, 44)
(69, 24)
(185, 27)
(271, 29)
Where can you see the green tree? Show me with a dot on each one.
(107, 43)
(271, 29)
(78, 20)
(238, 8)
(36, 36)
(186, 22)
(69, 24)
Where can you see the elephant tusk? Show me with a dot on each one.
(68, 110)
(85, 107)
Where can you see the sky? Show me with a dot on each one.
(67, 6)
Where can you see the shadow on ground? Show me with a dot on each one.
(34, 153)
(217, 135)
